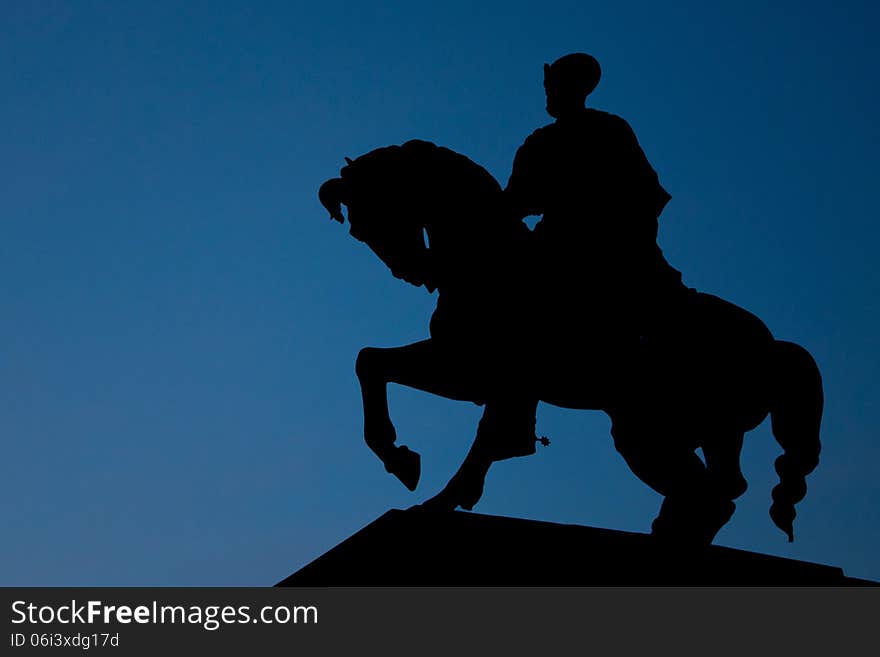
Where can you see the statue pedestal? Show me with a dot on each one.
(414, 548)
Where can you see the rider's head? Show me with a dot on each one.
(568, 82)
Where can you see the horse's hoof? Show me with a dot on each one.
(461, 491)
(469, 494)
(406, 465)
(685, 524)
(442, 502)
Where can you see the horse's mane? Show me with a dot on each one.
(419, 172)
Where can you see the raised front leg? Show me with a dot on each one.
(422, 366)
(379, 432)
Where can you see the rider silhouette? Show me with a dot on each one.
(600, 199)
(596, 247)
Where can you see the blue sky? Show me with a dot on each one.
(180, 319)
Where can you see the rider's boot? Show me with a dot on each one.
(507, 430)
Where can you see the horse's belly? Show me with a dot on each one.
(717, 364)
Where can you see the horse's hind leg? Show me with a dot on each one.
(722, 462)
(422, 366)
(693, 511)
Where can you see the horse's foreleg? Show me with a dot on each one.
(506, 430)
(465, 488)
(421, 366)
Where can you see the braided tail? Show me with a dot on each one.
(796, 414)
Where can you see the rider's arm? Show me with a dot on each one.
(523, 193)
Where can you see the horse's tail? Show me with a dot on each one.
(796, 413)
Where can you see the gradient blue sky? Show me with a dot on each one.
(180, 319)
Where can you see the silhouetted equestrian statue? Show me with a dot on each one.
(583, 312)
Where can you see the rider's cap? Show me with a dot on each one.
(577, 72)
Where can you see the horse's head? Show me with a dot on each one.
(395, 195)
(383, 213)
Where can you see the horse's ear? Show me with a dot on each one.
(348, 160)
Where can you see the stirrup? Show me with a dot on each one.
(404, 464)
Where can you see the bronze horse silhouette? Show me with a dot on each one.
(711, 374)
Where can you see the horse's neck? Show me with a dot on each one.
(465, 245)
(455, 234)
